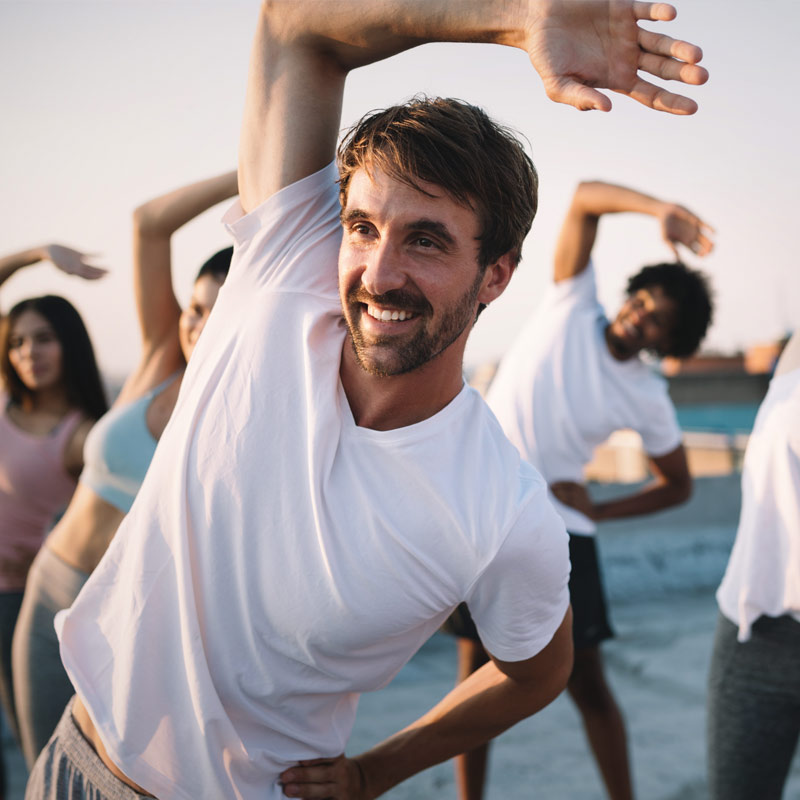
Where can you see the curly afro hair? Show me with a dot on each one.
(690, 291)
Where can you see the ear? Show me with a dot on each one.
(496, 278)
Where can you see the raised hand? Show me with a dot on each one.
(681, 226)
(339, 778)
(578, 46)
(73, 262)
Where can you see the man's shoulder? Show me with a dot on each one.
(291, 240)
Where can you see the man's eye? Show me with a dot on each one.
(15, 344)
(426, 243)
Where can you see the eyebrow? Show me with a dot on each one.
(423, 224)
(49, 329)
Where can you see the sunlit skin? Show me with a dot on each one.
(35, 352)
(645, 322)
(195, 315)
(411, 257)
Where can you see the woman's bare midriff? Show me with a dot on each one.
(87, 728)
(83, 534)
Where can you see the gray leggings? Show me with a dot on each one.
(753, 709)
(70, 769)
(41, 686)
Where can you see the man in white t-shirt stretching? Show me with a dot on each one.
(328, 489)
(571, 379)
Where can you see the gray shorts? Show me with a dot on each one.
(70, 769)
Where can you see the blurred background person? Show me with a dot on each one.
(571, 379)
(118, 451)
(50, 395)
(753, 717)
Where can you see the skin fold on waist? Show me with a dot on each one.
(85, 725)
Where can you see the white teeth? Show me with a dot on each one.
(385, 315)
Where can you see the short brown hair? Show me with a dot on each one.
(452, 144)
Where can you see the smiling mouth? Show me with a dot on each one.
(389, 315)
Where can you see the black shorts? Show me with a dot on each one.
(590, 624)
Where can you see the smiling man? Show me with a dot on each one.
(570, 380)
(328, 488)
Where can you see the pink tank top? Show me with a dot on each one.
(34, 486)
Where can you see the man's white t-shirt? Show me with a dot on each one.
(763, 573)
(558, 392)
(279, 559)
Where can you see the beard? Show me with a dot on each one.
(387, 355)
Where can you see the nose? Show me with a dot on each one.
(383, 270)
(638, 315)
(27, 348)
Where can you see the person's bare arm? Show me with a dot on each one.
(72, 262)
(304, 49)
(492, 699)
(73, 452)
(671, 485)
(593, 199)
(154, 223)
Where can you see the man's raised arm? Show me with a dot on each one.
(593, 199)
(304, 49)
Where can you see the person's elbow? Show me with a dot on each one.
(584, 199)
(685, 489)
(147, 220)
(564, 656)
(550, 676)
(680, 489)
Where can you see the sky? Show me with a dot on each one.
(106, 104)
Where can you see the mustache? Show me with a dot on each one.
(396, 298)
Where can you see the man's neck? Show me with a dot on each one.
(396, 401)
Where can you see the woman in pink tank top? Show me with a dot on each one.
(50, 394)
(119, 449)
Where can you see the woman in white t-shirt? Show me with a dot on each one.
(754, 684)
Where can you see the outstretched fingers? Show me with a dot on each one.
(658, 12)
(672, 70)
(702, 245)
(660, 44)
(669, 59)
(660, 99)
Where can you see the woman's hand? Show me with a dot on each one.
(73, 262)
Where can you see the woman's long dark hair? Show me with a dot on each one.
(78, 365)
